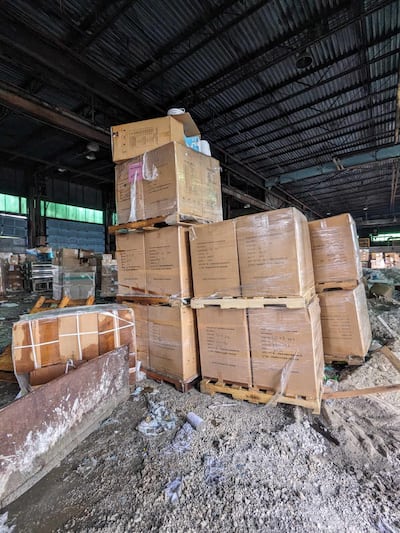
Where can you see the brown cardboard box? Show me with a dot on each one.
(131, 263)
(345, 322)
(335, 249)
(224, 345)
(129, 191)
(180, 180)
(72, 333)
(215, 264)
(275, 254)
(286, 349)
(173, 342)
(364, 255)
(167, 262)
(135, 138)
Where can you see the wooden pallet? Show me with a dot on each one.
(343, 285)
(354, 360)
(158, 222)
(46, 304)
(255, 395)
(153, 300)
(257, 302)
(179, 384)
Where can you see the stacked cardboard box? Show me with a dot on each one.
(337, 267)
(74, 274)
(158, 177)
(265, 258)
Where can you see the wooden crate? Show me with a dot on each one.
(258, 396)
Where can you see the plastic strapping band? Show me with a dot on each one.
(35, 361)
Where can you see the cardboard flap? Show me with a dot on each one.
(189, 125)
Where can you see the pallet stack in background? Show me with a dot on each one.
(74, 274)
(257, 313)
(160, 180)
(346, 328)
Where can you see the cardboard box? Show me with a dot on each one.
(169, 180)
(215, 263)
(180, 180)
(173, 342)
(275, 254)
(335, 249)
(131, 263)
(167, 262)
(286, 349)
(129, 191)
(224, 345)
(135, 138)
(345, 322)
(364, 255)
(61, 335)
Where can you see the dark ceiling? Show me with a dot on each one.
(236, 66)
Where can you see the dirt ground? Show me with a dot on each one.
(249, 468)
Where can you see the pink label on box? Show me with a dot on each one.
(135, 172)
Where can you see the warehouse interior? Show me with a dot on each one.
(299, 103)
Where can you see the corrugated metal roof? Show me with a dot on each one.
(233, 64)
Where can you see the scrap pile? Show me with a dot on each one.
(262, 318)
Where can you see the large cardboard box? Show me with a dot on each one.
(135, 138)
(169, 181)
(224, 345)
(215, 264)
(335, 249)
(167, 262)
(129, 191)
(346, 328)
(173, 342)
(286, 349)
(131, 263)
(80, 333)
(275, 254)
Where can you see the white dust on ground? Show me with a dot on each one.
(251, 467)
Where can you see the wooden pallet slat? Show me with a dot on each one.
(153, 300)
(339, 285)
(254, 395)
(174, 219)
(352, 360)
(256, 302)
(180, 385)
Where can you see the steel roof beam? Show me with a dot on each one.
(189, 34)
(339, 150)
(327, 81)
(59, 58)
(320, 124)
(379, 154)
(250, 64)
(311, 105)
(319, 139)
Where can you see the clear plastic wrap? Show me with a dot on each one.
(154, 263)
(172, 180)
(71, 334)
(287, 342)
(346, 328)
(272, 259)
(335, 249)
(76, 284)
(224, 345)
(2, 278)
(109, 278)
